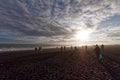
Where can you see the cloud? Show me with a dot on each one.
(58, 19)
(116, 34)
(107, 35)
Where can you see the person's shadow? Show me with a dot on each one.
(111, 69)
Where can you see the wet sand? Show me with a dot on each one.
(55, 65)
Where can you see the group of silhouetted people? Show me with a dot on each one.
(98, 50)
(38, 49)
(64, 48)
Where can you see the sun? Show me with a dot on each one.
(82, 35)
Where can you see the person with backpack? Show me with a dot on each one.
(98, 53)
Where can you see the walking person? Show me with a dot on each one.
(98, 53)
(61, 48)
(35, 49)
(64, 48)
(75, 48)
(102, 47)
(86, 48)
(71, 47)
(40, 48)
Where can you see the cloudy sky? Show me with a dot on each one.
(59, 21)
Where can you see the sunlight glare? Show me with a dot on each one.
(82, 35)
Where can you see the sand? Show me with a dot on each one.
(52, 64)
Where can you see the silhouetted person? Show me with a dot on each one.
(71, 48)
(40, 48)
(102, 47)
(64, 48)
(61, 48)
(98, 52)
(86, 48)
(35, 49)
(75, 48)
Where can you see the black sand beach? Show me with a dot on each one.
(52, 64)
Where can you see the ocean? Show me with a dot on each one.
(21, 47)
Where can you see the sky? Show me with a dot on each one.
(60, 21)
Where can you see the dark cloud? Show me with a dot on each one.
(26, 17)
(8, 40)
(88, 25)
(114, 34)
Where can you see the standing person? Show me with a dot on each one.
(75, 48)
(102, 47)
(35, 49)
(40, 48)
(71, 47)
(64, 48)
(98, 53)
(86, 48)
(61, 48)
